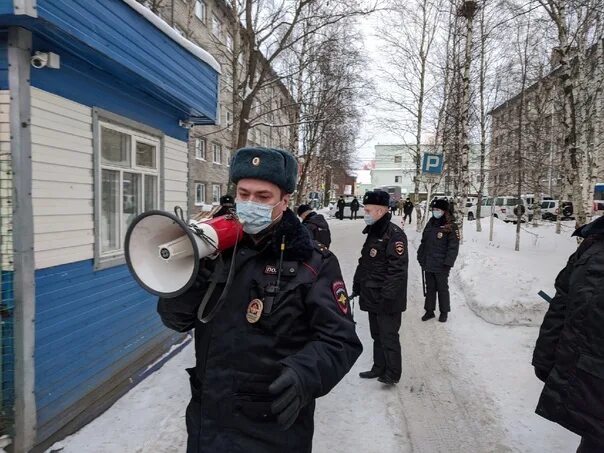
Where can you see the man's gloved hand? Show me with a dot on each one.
(290, 397)
(353, 295)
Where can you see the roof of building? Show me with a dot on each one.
(158, 22)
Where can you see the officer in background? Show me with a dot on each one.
(381, 282)
(436, 255)
(408, 210)
(227, 206)
(282, 334)
(354, 208)
(341, 205)
(315, 224)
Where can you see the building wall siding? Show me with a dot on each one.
(62, 183)
(90, 325)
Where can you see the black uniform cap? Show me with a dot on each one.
(268, 164)
(443, 205)
(377, 197)
(303, 208)
(227, 200)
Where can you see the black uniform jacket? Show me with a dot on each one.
(310, 329)
(408, 207)
(440, 245)
(381, 276)
(569, 355)
(318, 228)
(354, 205)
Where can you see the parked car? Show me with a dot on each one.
(504, 208)
(550, 209)
(333, 206)
(529, 202)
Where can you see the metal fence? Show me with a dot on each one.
(7, 305)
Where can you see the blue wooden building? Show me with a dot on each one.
(95, 100)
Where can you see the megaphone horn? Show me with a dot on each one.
(163, 251)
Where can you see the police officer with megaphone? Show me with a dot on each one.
(283, 334)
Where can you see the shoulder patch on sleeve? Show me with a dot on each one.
(339, 293)
(399, 247)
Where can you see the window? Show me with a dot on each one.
(229, 120)
(228, 154)
(216, 193)
(398, 159)
(200, 193)
(200, 10)
(216, 26)
(217, 153)
(398, 179)
(129, 183)
(229, 42)
(200, 148)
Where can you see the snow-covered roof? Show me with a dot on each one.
(194, 49)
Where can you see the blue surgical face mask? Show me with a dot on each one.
(437, 213)
(255, 217)
(368, 219)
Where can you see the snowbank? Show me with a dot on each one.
(501, 285)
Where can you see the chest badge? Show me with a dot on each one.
(254, 311)
(439, 235)
(373, 253)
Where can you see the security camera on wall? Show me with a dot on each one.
(46, 60)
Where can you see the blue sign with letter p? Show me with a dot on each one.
(433, 164)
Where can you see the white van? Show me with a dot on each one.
(503, 208)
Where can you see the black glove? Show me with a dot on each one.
(290, 397)
(353, 295)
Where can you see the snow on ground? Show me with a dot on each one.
(467, 385)
(500, 284)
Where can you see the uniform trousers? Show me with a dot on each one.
(384, 329)
(437, 283)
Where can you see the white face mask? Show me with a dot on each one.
(437, 213)
(255, 217)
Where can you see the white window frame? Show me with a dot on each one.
(216, 26)
(229, 119)
(201, 10)
(203, 201)
(214, 145)
(139, 134)
(216, 200)
(205, 149)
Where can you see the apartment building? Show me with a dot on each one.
(211, 24)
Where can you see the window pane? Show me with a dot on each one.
(109, 210)
(145, 155)
(151, 192)
(131, 199)
(200, 193)
(216, 193)
(115, 147)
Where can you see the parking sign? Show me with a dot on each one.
(432, 164)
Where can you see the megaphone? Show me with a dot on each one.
(163, 251)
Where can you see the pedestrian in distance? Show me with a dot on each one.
(392, 206)
(399, 206)
(282, 335)
(569, 354)
(408, 210)
(354, 208)
(227, 206)
(315, 224)
(341, 205)
(436, 255)
(380, 281)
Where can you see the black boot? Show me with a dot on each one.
(388, 380)
(428, 315)
(371, 374)
(443, 317)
